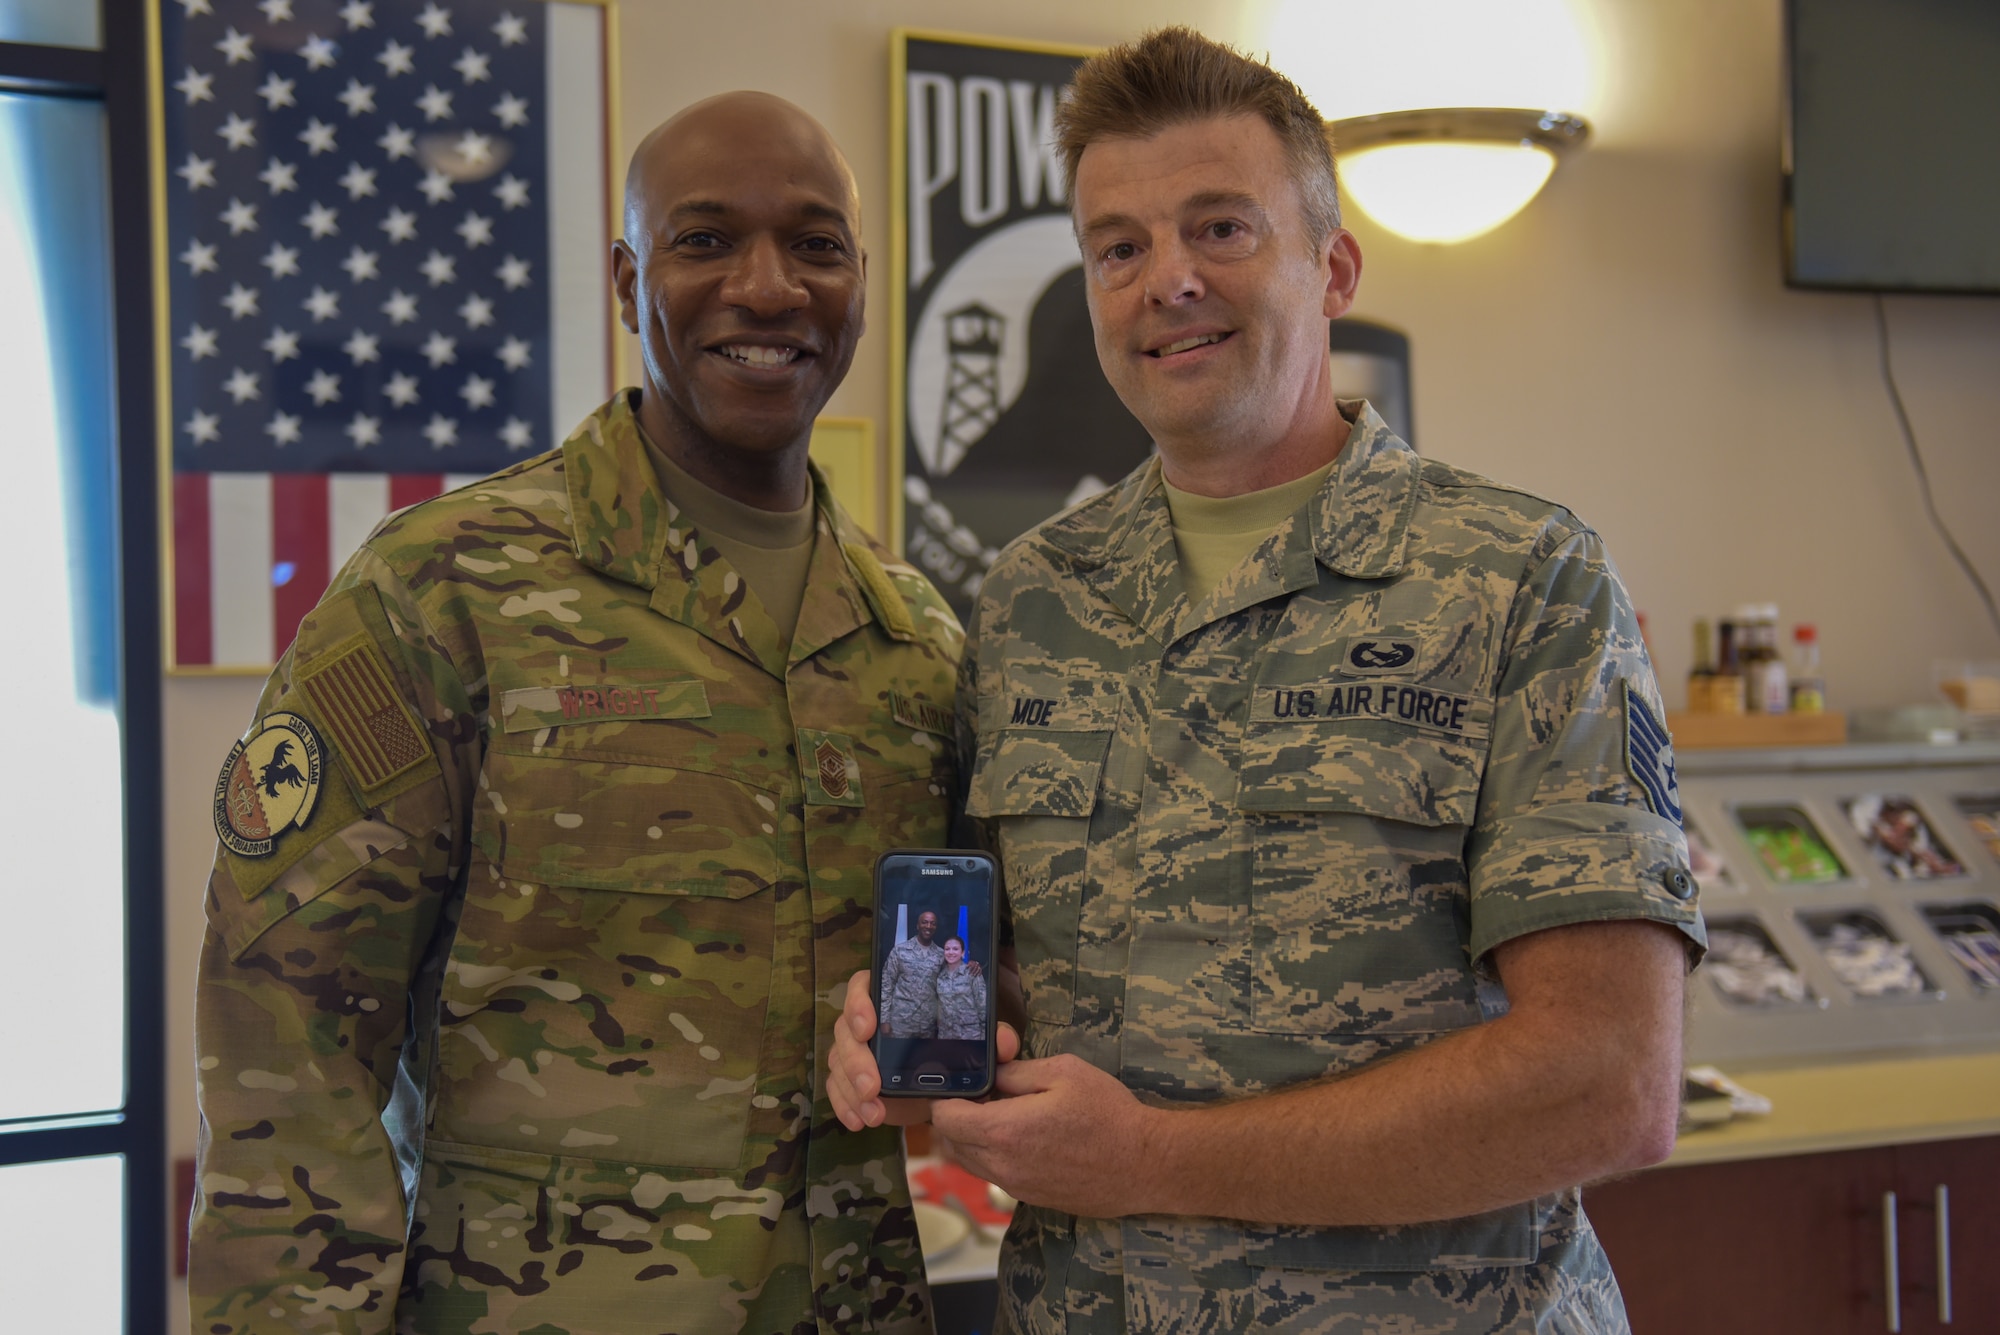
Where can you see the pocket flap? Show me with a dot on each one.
(1510, 1236)
(641, 829)
(1052, 703)
(1027, 772)
(1365, 768)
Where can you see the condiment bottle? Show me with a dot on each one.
(1774, 694)
(1725, 689)
(1808, 686)
(1701, 678)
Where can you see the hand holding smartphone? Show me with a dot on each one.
(935, 918)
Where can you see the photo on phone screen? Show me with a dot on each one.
(934, 920)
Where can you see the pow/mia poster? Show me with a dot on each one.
(1001, 416)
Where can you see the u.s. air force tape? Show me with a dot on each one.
(1399, 702)
(919, 714)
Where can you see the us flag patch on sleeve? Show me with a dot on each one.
(355, 700)
(1649, 756)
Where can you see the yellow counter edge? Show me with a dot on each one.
(1854, 1105)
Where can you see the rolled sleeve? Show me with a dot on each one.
(1582, 862)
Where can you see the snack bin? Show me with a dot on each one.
(1872, 873)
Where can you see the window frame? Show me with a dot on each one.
(119, 75)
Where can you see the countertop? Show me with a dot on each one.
(1852, 1105)
(1842, 1106)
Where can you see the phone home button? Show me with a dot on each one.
(930, 1080)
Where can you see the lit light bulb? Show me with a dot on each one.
(1365, 57)
(1448, 115)
(1445, 193)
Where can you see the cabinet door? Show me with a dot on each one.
(1969, 1170)
(1763, 1245)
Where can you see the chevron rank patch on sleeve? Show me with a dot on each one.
(1649, 756)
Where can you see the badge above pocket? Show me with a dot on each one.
(1380, 651)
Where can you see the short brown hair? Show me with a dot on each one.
(1175, 75)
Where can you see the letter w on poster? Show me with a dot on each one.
(1002, 414)
(385, 227)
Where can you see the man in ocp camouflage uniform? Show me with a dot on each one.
(909, 983)
(1339, 828)
(519, 953)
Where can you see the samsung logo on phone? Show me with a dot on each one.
(934, 871)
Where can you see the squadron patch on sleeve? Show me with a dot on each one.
(1649, 756)
(269, 784)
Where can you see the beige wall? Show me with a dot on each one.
(1625, 346)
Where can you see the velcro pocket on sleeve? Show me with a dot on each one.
(336, 740)
(344, 679)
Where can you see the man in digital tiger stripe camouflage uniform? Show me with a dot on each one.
(1341, 838)
(555, 830)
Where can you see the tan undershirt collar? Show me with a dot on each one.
(717, 515)
(771, 549)
(1214, 533)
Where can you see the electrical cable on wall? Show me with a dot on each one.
(1923, 474)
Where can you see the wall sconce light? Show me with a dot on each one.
(1445, 175)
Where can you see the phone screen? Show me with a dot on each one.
(934, 986)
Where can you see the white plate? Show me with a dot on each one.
(941, 1231)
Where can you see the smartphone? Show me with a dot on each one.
(935, 918)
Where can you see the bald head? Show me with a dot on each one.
(739, 125)
(742, 273)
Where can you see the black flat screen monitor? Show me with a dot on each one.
(1892, 145)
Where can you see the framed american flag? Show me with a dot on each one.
(381, 230)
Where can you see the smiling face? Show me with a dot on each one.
(926, 926)
(954, 952)
(741, 272)
(1208, 298)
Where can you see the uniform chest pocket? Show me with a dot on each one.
(1359, 915)
(608, 985)
(1037, 788)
